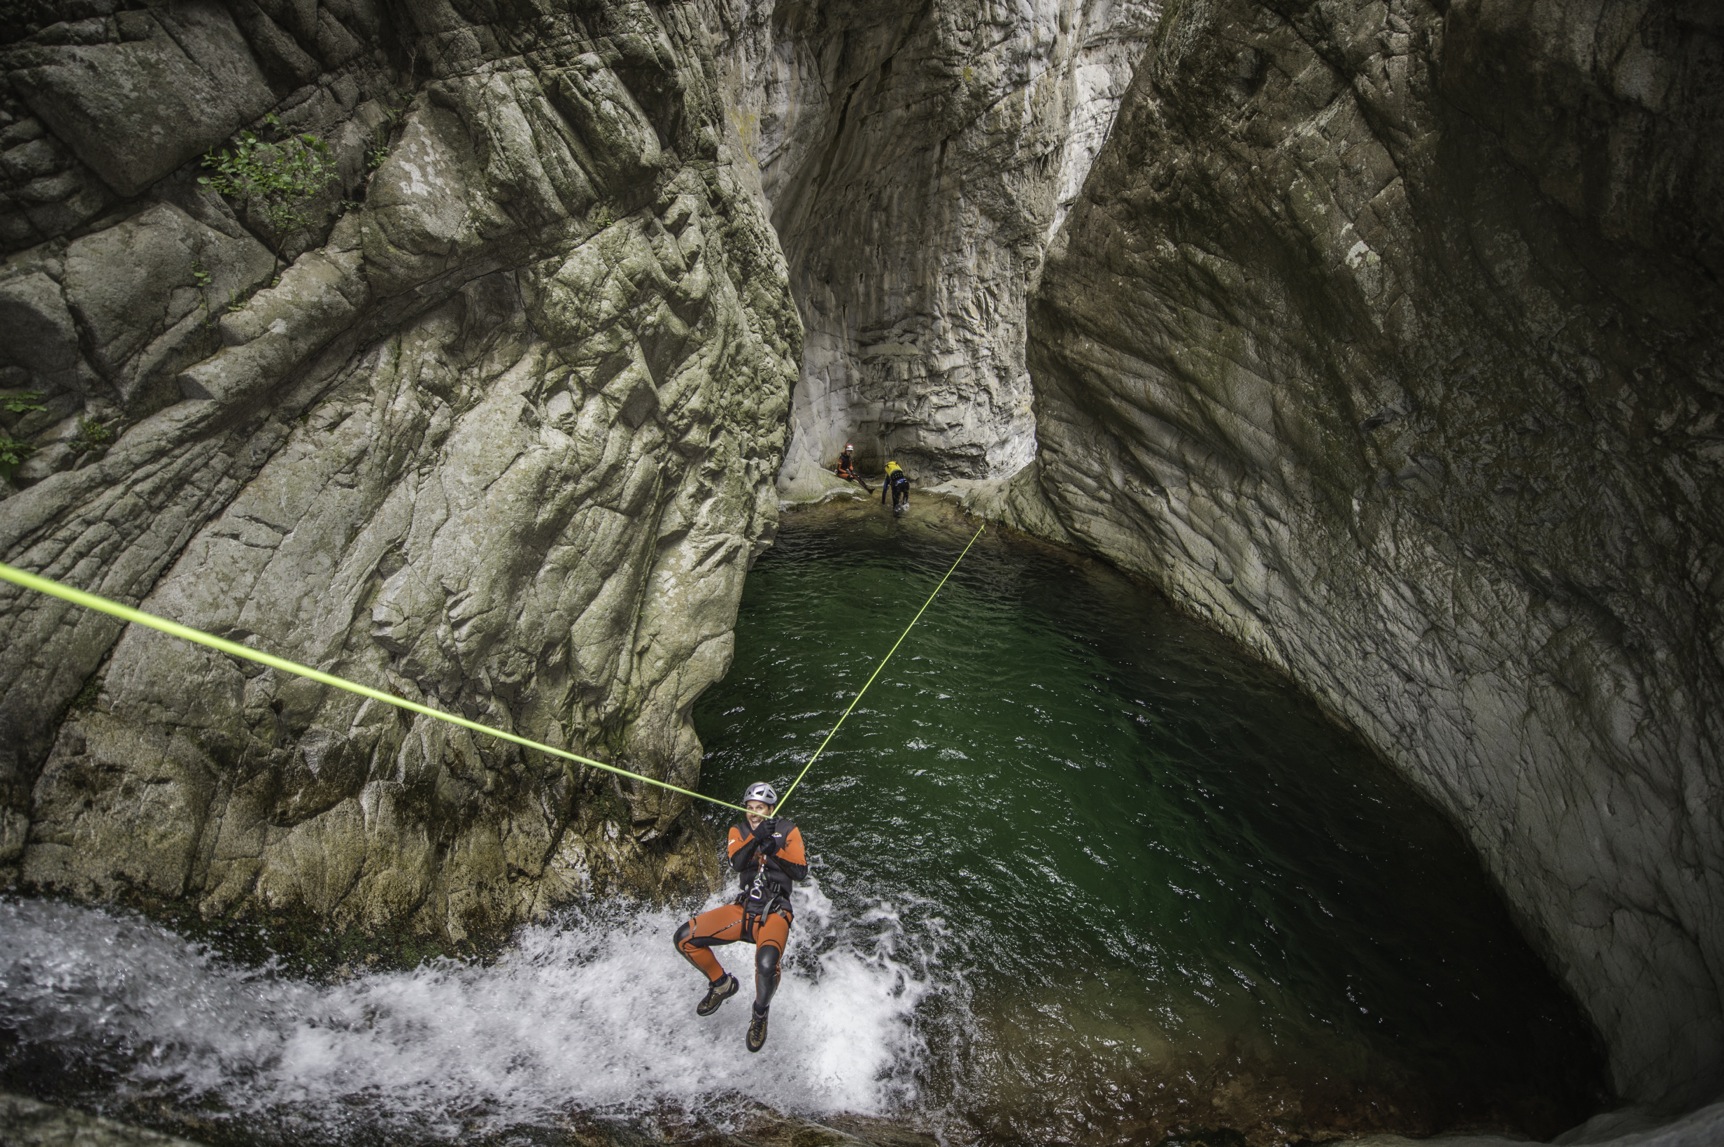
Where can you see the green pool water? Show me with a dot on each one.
(1160, 893)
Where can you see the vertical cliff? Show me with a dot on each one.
(917, 158)
(1387, 337)
(491, 420)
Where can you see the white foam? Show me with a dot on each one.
(590, 1012)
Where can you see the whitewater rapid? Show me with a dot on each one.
(591, 1012)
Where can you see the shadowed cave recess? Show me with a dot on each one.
(1382, 338)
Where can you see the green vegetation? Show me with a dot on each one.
(275, 179)
(13, 451)
(21, 401)
(12, 454)
(92, 435)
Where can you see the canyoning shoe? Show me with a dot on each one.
(757, 1032)
(717, 992)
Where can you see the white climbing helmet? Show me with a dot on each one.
(762, 792)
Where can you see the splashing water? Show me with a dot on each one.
(1081, 875)
(592, 1012)
(1181, 897)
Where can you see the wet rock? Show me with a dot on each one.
(500, 440)
(1626, 1128)
(44, 189)
(148, 291)
(916, 160)
(138, 94)
(1385, 337)
(27, 1123)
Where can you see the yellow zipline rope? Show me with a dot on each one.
(783, 800)
(126, 613)
(235, 649)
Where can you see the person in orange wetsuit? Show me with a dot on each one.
(846, 468)
(769, 856)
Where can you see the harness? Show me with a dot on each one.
(758, 902)
(763, 896)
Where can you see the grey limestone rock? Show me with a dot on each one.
(501, 439)
(1386, 337)
(29, 1123)
(147, 292)
(917, 159)
(138, 94)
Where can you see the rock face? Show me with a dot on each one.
(495, 429)
(917, 159)
(28, 1123)
(1387, 337)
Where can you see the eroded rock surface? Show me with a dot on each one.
(916, 159)
(1386, 336)
(28, 1123)
(496, 430)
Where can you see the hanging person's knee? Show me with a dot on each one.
(765, 975)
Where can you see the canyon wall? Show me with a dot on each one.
(490, 421)
(917, 158)
(1386, 336)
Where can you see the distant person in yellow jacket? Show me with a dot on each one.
(898, 483)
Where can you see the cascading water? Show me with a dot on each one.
(1082, 874)
(1178, 896)
(578, 1015)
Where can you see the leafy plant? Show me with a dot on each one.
(375, 157)
(13, 451)
(200, 276)
(275, 179)
(92, 435)
(21, 402)
(12, 454)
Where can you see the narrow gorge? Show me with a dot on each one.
(1385, 338)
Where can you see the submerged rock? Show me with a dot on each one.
(1386, 337)
(28, 1123)
(492, 425)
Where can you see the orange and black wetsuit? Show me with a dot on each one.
(769, 858)
(846, 468)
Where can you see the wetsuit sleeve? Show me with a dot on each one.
(791, 857)
(740, 847)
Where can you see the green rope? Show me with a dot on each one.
(786, 797)
(234, 649)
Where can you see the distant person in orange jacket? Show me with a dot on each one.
(769, 855)
(846, 468)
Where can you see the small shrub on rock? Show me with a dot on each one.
(275, 180)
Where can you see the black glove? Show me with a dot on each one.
(764, 830)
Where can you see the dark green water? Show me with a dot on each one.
(1157, 889)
